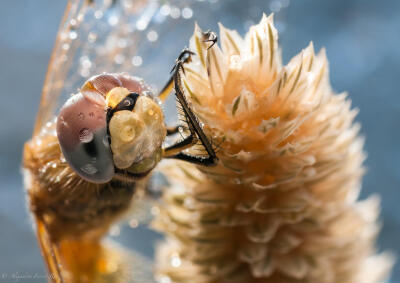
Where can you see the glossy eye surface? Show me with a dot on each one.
(82, 134)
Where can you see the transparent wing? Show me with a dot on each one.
(94, 36)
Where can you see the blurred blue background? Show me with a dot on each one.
(363, 46)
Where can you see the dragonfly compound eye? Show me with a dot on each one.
(82, 134)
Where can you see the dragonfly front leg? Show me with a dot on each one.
(184, 57)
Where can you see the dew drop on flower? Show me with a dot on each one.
(235, 62)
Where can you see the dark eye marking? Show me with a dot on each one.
(91, 149)
(128, 103)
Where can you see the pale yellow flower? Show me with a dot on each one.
(282, 205)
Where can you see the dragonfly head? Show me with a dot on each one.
(112, 126)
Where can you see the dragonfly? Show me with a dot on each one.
(83, 167)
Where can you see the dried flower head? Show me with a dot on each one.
(281, 206)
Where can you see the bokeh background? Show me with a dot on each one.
(362, 38)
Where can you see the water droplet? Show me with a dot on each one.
(165, 10)
(85, 73)
(133, 223)
(235, 62)
(115, 231)
(119, 58)
(147, 93)
(187, 13)
(81, 116)
(175, 13)
(73, 22)
(275, 6)
(122, 43)
(155, 210)
(141, 24)
(137, 61)
(188, 203)
(89, 169)
(113, 20)
(105, 141)
(92, 37)
(73, 35)
(165, 279)
(98, 14)
(63, 122)
(176, 260)
(85, 62)
(63, 58)
(65, 46)
(158, 101)
(85, 135)
(152, 35)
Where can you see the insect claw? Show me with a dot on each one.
(210, 36)
(183, 58)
